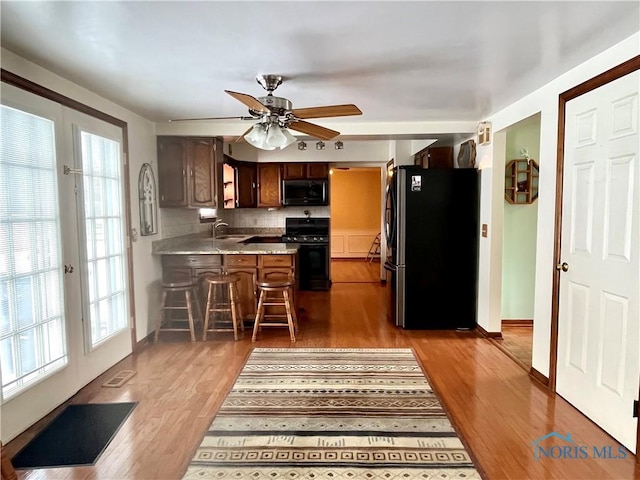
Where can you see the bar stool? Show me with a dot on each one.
(190, 291)
(219, 300)
(283, 286)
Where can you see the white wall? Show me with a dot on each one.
(544, 100)
(142, 149)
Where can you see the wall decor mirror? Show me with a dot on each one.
(148, 201)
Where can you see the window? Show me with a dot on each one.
(103, 224)
(32, 324)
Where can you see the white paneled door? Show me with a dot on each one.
(598, 367)
(64, 314)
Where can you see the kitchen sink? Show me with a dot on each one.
(230, 237)
(263, 239)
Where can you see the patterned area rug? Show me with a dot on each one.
(297, 413)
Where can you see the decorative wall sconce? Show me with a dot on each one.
(302, 145)
(148, 202)
(339, 145)
(484, 133)
(320, 146)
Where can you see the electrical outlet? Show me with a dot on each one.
(485, 230)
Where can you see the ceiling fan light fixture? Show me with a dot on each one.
(258, 137)
(275, 137)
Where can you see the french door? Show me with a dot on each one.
(63, 263)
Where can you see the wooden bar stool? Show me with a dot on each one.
(222, 296)
(187, 288)
(284, 287)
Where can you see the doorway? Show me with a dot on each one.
(520, 219)
(355, 224)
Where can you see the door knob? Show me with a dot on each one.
(564, 266)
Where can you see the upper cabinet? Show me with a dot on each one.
(303, 171)
(269, 184)
(435, 157)
(239, 183)
(187, 171)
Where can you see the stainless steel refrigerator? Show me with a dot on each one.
(432, 233)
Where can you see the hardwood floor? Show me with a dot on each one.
(517, 341)
(354, 270)
(496, 407)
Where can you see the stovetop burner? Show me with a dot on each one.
(306, 230)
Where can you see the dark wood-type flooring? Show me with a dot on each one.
(495, 406)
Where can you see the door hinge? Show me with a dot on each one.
(636, 409)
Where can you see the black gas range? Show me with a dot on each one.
(312, 234)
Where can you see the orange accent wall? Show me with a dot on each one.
(355, 199)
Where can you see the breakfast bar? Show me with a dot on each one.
(194, 257)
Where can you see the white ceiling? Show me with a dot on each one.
(417, 61)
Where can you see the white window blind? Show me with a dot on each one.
(32, 326)
(103, 223)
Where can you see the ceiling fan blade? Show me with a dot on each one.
(314, 130)
(251, 102)
(241, 137)
(210, 118)
(328, 111)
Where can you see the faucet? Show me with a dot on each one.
(214, 228)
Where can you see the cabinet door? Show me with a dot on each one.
(294, 171)
(269, 185)
(246, 184)
(202, 172)
(246, 291)
(172, 167)
(317, 170)
(439, 157)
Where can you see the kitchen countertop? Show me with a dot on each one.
(198, 245)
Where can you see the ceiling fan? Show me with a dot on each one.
(274, 115)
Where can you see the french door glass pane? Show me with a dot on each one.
(32, 334)
(104, 227)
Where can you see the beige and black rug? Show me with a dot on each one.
(299, 413)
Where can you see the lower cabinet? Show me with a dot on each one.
(246, 268)
(249, 268)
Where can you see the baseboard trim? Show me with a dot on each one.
(539, 377)
(486, 334)
(518, 322)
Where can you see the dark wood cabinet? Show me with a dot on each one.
(435, 157)
(187, 171)
(269, 185)
(302, 171)
(246, 268)
(246, 184)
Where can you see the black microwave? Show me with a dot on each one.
(305, 192)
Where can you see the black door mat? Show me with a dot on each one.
(77, 436)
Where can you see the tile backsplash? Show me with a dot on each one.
(184, 221)
(181, 221)
(262, 217)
